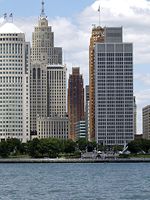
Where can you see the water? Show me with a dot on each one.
(75, 181)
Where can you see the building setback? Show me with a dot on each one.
(146, 122)
(43, 48)
(48, 82)
(114, 123)
(75, 99)
(14, 83)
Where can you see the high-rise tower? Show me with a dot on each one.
(48, 84)
(114, 119)
(14, 83)
(75, 99)
(97, 36)
(43, 42)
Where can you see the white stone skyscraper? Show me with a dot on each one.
(14, 83)
(43, 48)
(48, 84)
(114, 120)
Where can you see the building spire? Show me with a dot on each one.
(42, 11)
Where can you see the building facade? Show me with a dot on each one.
(43, 49)
(56, 127)
(114, 121)
(56, 90)
(14, 83)
(48, 79)
(96, 36)
(87, 112)
(146, 122)
(80, 129)
(75, 99)
(135, 115)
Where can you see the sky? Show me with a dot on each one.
(72, 21)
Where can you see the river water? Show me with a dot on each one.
(101, 181)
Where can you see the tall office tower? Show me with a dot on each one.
(14, 83)
(56, 90)
(97, 36)
(135, 114)
(43, 42)
(87, 112)
(55, 123)
(146, 122)
(38, 97)
(43, 53)
(75, 100)
(113, 89)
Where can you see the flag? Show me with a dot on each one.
(11, 15)
(99, 9)
(5, 15)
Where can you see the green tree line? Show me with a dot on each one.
(46, 147)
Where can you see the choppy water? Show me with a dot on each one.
(75, 181)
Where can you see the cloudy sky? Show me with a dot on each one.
(72, 21)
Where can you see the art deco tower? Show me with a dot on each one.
(75, 99)
(97, 36)
(43, 42)
(48, 75)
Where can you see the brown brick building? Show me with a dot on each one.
(75, 100)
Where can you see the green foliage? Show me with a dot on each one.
(4, 150)
(139, 146)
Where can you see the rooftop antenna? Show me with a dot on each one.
(42, 11)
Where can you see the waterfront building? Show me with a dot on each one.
(146, 122)
(14, 83)
(48, 76)
(114, 123)
(75, 99)
(87, 112)
(80, 130)
(135, 115)
(96, 36)
(56, 127)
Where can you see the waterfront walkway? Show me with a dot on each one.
(61, 160)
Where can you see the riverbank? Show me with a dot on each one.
(60, 160)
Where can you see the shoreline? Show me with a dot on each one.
(60, 160)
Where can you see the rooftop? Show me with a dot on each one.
(9, 28)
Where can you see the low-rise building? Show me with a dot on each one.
(55, 127)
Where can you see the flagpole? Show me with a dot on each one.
(99, 14)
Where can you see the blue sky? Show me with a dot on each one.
(24, 8)
(72, 20)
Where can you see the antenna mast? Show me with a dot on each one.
(42, 11)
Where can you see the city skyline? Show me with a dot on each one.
(133, 16)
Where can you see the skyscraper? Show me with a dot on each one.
(14, 83)
(97, 36)
(114, 121)
(75, 99)
(43, 48)
(46, 72)
(146, 122)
